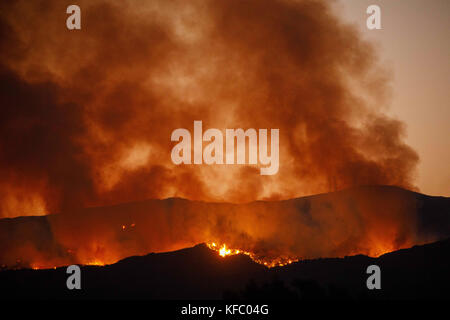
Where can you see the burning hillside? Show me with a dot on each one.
(365, 220)
(270, 262)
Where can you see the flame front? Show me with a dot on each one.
(224, 251)
(95, 262)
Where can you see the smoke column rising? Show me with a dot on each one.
(86, 116)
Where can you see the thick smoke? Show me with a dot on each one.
(86, 115)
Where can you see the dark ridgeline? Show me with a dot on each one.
(420, 272)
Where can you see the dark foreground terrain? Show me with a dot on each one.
(421, 272)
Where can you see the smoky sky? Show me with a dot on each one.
(86, 115)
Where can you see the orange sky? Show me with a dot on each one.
(414, 45)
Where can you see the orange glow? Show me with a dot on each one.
(112, 153)
(379, 248)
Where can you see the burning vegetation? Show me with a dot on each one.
(369, 220)
(224, 251)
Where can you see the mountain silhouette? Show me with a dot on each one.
(420, 272)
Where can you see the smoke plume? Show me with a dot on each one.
(86, 115)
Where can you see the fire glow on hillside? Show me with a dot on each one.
(369, 221)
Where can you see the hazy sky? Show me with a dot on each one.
(414, 44)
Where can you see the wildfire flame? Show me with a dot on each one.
(225, 251)
(95, 262)
(39, 267)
